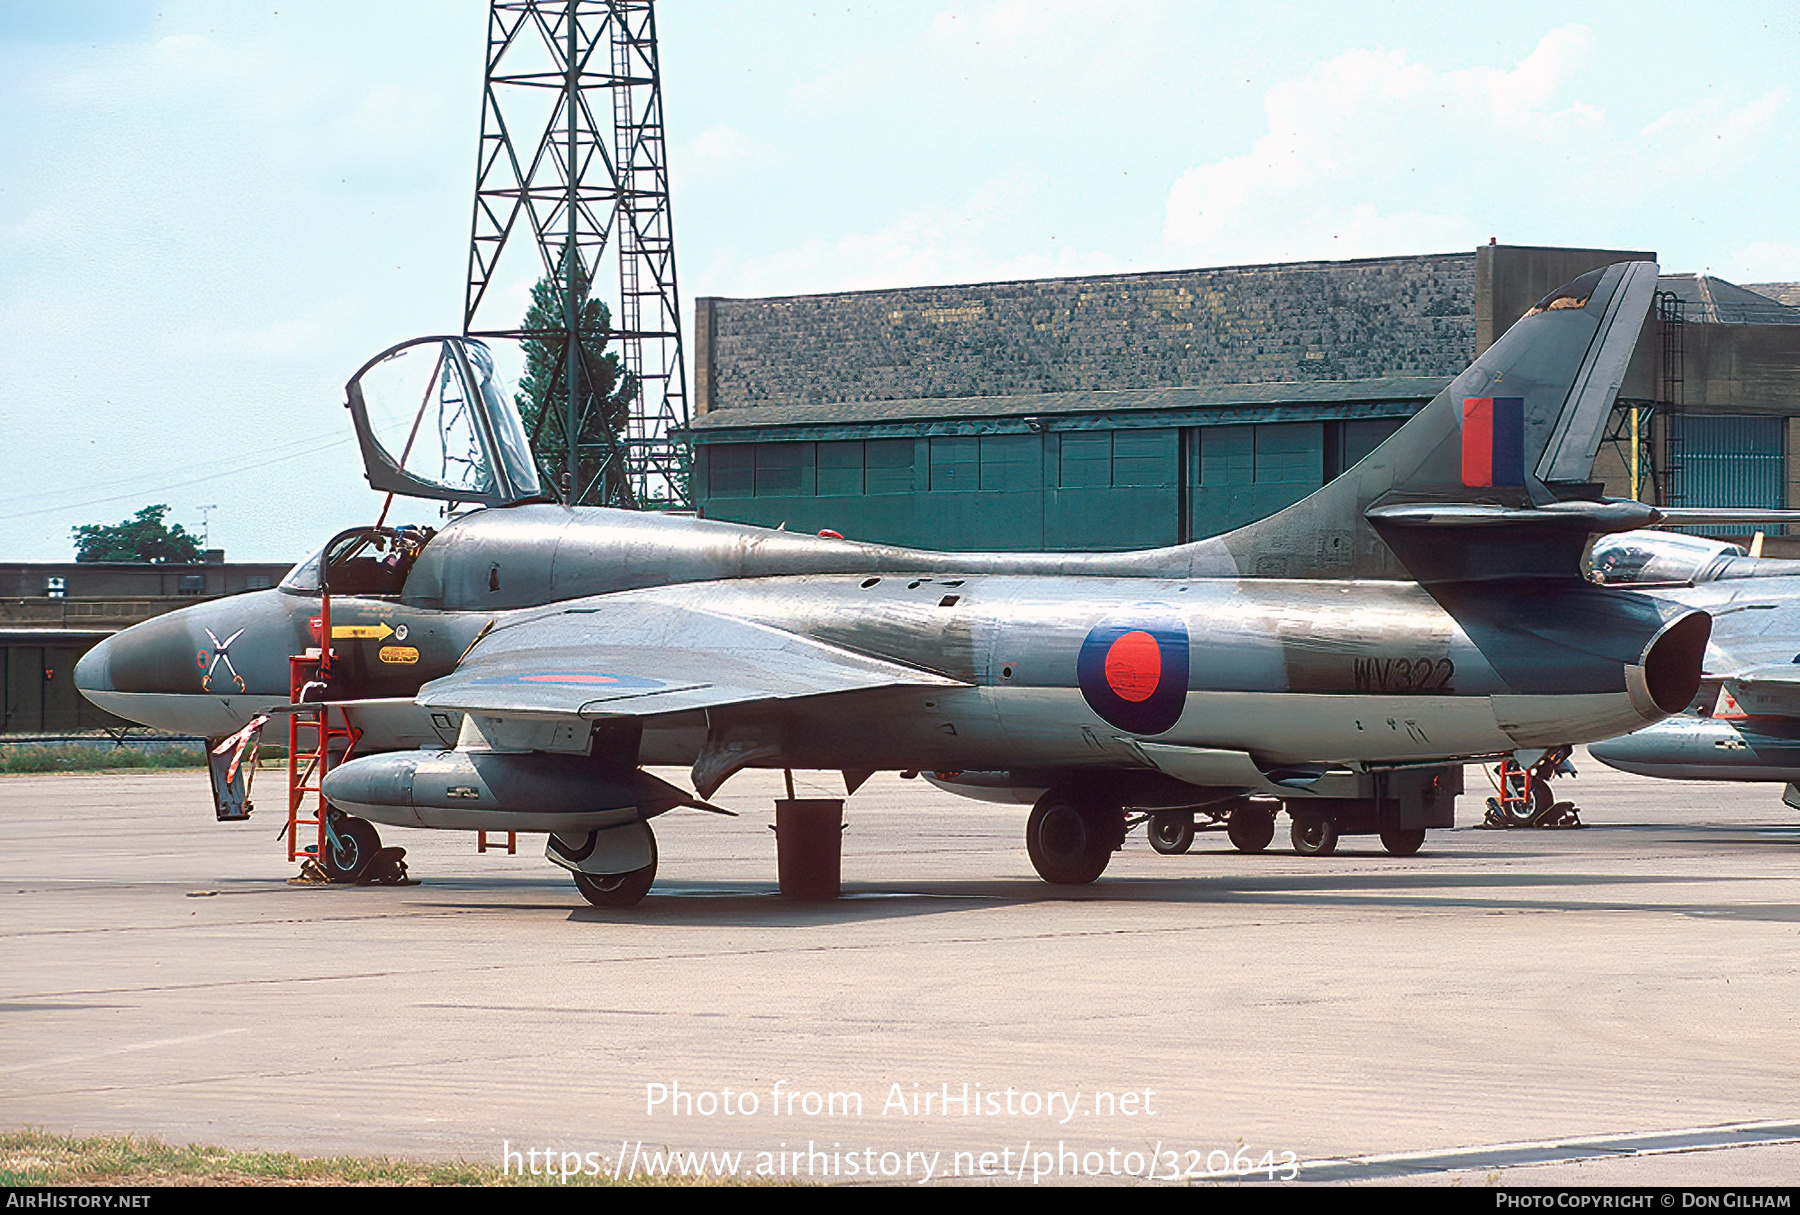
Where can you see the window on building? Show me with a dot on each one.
(1239, 474)
(1011, 462)
(1290, 453)
(888, 466)
(840, 468)
(780, 469)
(730, 470)
(1346, 443)
(955, 465)
(1084, 459)
(1227, 455)
(1122, 458)
(1146, 458)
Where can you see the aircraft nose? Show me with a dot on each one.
(93, 673)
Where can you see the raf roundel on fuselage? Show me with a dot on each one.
(1133, 669)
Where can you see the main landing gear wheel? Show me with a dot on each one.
(1250, 828)
(1401, 842)
(1171, 833)
(618, 889)
(1313, 833)
(356, 841)
(1071, 837)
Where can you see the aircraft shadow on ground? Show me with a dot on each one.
(758, 904)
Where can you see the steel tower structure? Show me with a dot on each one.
(572, 145)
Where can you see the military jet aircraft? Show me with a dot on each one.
(520, 667)
(1745, 721)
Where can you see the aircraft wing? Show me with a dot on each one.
(637, 658)
(1766, 691)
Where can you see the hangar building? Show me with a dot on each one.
(51, 613)
(1122, 411)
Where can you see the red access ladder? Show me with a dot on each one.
(311, 733)
(1513, 785)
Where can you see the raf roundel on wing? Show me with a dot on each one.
(1133, 669)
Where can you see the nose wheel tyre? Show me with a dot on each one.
(1250, 828)
(1313, 833)
(1071, 838)
(1171, 834)
(618, 889)
(349, 847)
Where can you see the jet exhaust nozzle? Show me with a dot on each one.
(1667, 677)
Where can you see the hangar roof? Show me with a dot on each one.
(1159, 403)
(1781, 293)
(1714, 301)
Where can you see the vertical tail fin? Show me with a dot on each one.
(1514, 433)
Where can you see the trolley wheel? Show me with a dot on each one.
(1250, 828)
(1314, 833)
(1171, 832)
(618, 889)
(1403, 841)
(1071, 837)
(356, 842)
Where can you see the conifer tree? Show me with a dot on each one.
(604, 392)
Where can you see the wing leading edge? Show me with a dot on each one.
(614, 658)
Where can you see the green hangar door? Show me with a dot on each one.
(1061, 488)
(1724, 460)
(1113, 489)
(1239, 474)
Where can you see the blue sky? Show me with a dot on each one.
(211, 213)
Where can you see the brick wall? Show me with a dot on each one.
(1248, 324)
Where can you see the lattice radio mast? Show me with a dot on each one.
(557, 70)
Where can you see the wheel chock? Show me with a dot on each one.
(311, 874)
(386, 868)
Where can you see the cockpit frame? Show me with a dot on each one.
(501, 470)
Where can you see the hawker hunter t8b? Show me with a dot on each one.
(521, 667)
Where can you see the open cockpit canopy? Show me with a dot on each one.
(433, 422)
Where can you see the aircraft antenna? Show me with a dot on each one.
(596, 200)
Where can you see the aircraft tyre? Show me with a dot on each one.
(1070, 838)
(1523, 814)
(1171, 832)
(1313, 833)
(1249, 828)
(357, 842)
(618, 889)
(1403, 841)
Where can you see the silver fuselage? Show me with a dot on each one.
(1334, 672)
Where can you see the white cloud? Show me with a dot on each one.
(1708, 137)
(711, 157)
(1763, 261)
(1370, 153)
(929, 245)
(996, 47)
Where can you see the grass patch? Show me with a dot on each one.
(35, 1158)
(75, 757)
